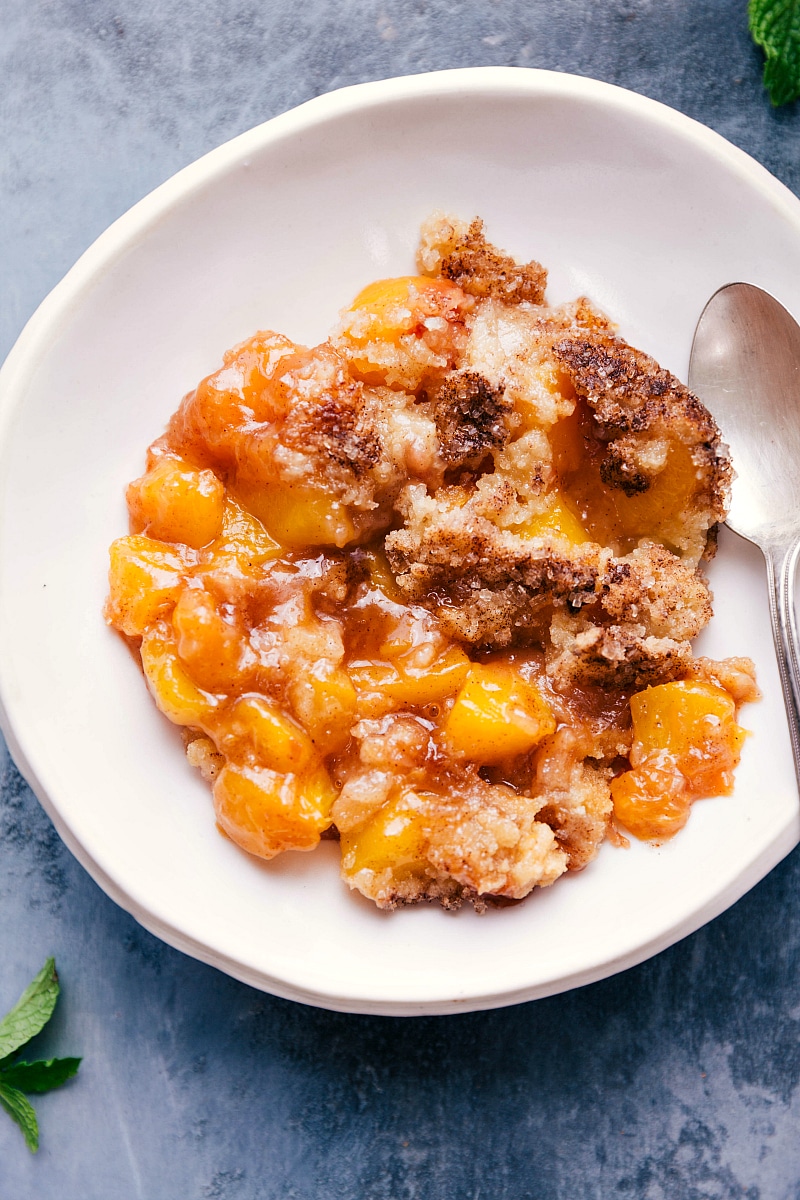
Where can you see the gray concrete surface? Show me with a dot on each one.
(675, 1081)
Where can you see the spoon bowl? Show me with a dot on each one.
(745, 367)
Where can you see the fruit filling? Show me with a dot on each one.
(429, 588)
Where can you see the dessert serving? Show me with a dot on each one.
(430, 587)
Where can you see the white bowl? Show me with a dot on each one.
(635, 205)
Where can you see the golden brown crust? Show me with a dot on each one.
(420, 351)
(480, 839)
(575, 795)
(470, 418)
(495, 588)
(489, 586)
(623, 656)
(333, 428)
(461, 253)
(636, 403)
(311, 424)
(653, 587)
(737, 676)
(390, 892)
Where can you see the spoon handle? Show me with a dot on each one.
(781, 572)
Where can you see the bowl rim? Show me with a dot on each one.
(43, 326)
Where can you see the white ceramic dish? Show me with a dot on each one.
(623, 199)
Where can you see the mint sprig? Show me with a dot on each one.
(21, 1111)
(40, 1076)
(27, 1018)
(775, 25)
(31, 1012)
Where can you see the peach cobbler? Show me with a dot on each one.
(430, 587)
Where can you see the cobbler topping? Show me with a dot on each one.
(431, 586)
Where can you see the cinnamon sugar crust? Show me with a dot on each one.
(460, 252)
(639, 409)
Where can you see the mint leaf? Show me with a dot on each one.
(775, 25)
(21, 1111)
(28, 1016)
(31, 1012)
(39, 1076)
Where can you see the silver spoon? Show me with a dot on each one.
(745, 367)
